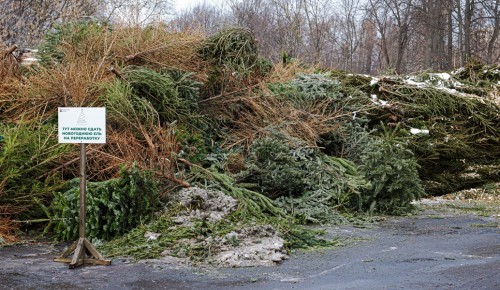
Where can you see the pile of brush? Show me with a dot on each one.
(140, 75)
(284, 139)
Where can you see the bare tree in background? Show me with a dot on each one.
(289, 28)
(356, 35)
(260, 17)
(279, 25)
(319, 26)
(367, 49)
(477, 25)
(485, 29)
(205, 17)
(493, 10)
(468, 15)
(137, 12)
(349, 32)
(431, 20)
(393, 19)
(24, 22)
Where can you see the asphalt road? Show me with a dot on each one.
(428, 251)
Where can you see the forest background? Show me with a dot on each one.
(268, 102)
(361, 36)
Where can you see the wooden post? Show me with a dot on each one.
(83, 191)
(83, 250)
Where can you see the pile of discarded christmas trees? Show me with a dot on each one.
(293, 144)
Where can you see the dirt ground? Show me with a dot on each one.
(447, 245)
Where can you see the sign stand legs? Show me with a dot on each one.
(83, 250)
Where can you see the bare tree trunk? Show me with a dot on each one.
(402, 43)
(433, 17)
(379, 13)
(384, 47)
(460, 26)
(496, 31)
(402, 13)
(469, 11)
(370, 39)
(440, 22)
(429, 10)
(449, 53)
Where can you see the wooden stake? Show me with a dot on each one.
(83, 250)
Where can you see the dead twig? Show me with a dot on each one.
(138, 54)
(116, 73)
(9, 50)
(228, 94)
(157, 173)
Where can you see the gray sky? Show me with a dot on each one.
(184, 4)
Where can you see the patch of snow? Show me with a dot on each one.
(448, 90)
(412, 82)
(292, 279)
(203, 204)
(374, 81)
(259, 245)
(249, 247)
(470, 175)
(457, 71)
(28, 57)
(376, 101)
(416, 131)
(150, 236)
(438, 81)
(443, 76)
(429, 201)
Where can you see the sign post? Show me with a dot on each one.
(82, 125)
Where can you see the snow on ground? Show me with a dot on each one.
(259, 245)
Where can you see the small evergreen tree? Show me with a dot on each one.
(392, 171)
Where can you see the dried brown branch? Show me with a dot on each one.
(116, 72)
(9, 50)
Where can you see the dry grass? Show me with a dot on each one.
(283, 73)
(90, 66)
(253, 111)
(477, 194)
(69, 85)
(155, 150)
(76, 81)
(158, 47)
(9, 72)
(9, 66)
(8, 229)
(256, 114)
(80, 79)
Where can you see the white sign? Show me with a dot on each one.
(82, 125)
